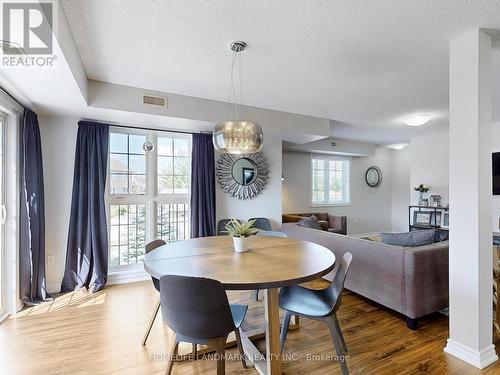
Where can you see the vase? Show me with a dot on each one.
(420, 198)
(241, 244)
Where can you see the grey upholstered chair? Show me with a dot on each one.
(268, 233)
(156, 283)
(261, 223)
(320, 305)
(198, 311)
(271, 233)
(221, 226)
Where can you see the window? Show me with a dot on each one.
(148, 192)
(329, 180)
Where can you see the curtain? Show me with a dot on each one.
(87, 248)
(32, 283)
(202, 186)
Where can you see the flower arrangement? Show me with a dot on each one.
(421, 188)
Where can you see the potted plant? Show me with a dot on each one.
(421, 190)
(241, 233)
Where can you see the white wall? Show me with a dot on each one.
(267, 203)
(400, 189)
(370, 208)
(429, 164)
(58, 150)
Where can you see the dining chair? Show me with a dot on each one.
(268, 233)
(271, 233)
(221, 226)
(156, 283)
(319, 305)
(262, 223)
(198, 311)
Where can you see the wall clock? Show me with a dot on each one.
(373, 176)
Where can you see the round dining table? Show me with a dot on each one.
(270, 263)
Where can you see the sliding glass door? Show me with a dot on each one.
(3, 280)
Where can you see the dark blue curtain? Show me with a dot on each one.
(87, 250)
(202, 186)
(32, 281)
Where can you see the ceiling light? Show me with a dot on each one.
(417, 119)
(398, 146)
(237, 136)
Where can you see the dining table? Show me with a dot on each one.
(270, 263)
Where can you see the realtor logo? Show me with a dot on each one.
(27, 28)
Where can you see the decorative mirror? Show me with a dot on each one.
(373, 177)
(242, 176)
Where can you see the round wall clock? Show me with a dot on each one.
(373, 176)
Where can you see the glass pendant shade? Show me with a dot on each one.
(238, 137)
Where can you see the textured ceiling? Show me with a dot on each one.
(364, 64)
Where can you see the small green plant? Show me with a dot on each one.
(421, 188)
(236, 229)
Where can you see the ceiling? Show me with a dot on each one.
(364, 64)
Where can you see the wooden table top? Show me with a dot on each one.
(271, 262)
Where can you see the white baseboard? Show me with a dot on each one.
(479, 359)
(128, 276)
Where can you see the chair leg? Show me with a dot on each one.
(194, 352)
(240, 347)
(256, 295)
(171, 352)
(341, 335)
(284, 329)
(221, 353)
(338, 345)
(151, 321)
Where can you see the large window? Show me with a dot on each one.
(329, 180)
(148, 192)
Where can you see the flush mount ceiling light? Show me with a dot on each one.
(417, 119)
(237, 136)
(398, 146)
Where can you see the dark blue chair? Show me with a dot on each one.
(319, 305)
(198, 311)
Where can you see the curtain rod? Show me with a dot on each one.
(12, 97)
(142, 128)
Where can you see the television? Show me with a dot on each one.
(496, 173)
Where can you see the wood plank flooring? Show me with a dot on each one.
(82, 333)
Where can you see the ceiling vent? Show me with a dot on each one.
(157, 101)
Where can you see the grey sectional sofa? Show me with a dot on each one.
(410, 280)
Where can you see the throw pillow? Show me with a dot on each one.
(322, 216)
(409, 239)
(310, 222)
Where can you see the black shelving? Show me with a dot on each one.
(432, 209)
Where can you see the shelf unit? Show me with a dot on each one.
(431, 209)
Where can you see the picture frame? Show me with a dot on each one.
(422, 218)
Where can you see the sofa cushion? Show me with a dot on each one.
(310, 222)
(409, 239)
(324, 224)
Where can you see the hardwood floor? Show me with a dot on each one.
(81, 333)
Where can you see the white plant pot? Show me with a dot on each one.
(241, 244)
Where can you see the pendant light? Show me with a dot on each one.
(237, 136)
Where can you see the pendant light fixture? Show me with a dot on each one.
(237, 136)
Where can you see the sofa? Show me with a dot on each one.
(410, 280)
(330, 223)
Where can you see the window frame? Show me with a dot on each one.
(346, 186)
(151, 198)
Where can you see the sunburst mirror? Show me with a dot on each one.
(242, 176)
